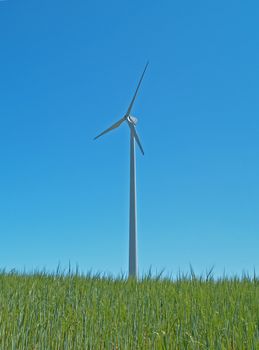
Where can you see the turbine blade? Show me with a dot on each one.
(137, 139)
(135, 95)
(114, 126)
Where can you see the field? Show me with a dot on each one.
(41, 311)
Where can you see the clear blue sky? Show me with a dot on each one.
(68, 70)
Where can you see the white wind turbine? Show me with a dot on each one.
(131, 121)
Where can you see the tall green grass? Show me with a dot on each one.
(41, 311)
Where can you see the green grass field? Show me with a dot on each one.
(42, 311)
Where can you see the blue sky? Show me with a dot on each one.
(67, 71)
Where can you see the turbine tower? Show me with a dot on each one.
(131, 121)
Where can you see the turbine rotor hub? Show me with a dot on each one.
(132, 120)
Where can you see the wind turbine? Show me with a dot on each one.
(131, 121)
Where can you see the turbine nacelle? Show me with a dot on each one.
(132, 120)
